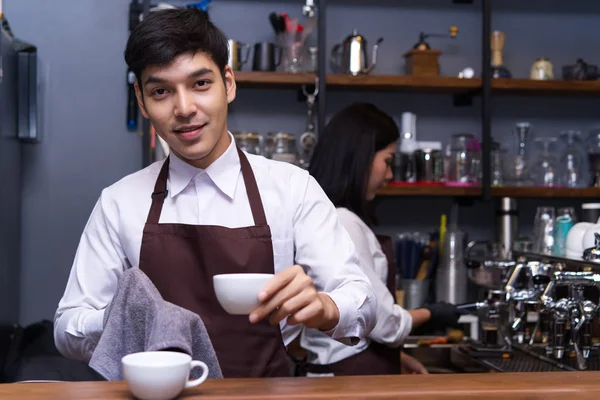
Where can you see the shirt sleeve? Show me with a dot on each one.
(98, 264)
(327, 253)
(394, 323)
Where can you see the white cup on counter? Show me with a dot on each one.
(238, 293)
(160, 375)
(575, 240)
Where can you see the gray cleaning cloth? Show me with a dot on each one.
(139, 319)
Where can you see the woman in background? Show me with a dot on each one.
(351, 162)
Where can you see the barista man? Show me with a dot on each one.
(208, 209)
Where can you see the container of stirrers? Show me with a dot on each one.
(416, 258)
(416, 293)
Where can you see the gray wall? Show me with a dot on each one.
(87, 147)
(10, 176)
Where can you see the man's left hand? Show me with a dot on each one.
(291, 293)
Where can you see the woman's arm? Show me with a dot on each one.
(394, 323)
(419, 316)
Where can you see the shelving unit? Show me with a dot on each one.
(436, 191)
(545, 192)
(555, 87)
(438, 84)
(483, 86)
(407, 83)
(272, 80)
(496, 192)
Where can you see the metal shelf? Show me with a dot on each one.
(576, 265)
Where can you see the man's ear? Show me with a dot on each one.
(140, 100)
(230, 86)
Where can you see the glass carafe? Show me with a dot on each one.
(516, 163)
(594, 157)
(497, 156)
(572, 161)
(544, 170)
(543, 230)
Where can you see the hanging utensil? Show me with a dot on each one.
(308, 140)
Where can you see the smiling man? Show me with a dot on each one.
(209, 209)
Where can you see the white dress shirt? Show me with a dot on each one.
(393, 322)
(304, 226)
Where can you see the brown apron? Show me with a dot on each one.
(377, 359)
(181, 260)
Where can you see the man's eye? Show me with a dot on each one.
(158, 92)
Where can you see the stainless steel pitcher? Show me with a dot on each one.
(235, 54)
(350, 56)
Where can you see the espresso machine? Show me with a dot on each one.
(570, 309)
(545, 318)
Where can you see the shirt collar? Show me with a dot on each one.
(224, 172)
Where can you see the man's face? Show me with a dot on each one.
(186, 102)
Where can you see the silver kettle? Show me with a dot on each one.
(350, 56)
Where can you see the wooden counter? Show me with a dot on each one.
(539, 385)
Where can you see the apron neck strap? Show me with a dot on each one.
(159, 194)
(256, 205)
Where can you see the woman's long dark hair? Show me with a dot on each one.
(342, 159)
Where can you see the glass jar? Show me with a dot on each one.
(541, 70)
(248, 142)
(313, 60)
(283, 147)
(460, 158)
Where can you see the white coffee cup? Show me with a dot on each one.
(575, 238)
(160, 375)
(238, 293)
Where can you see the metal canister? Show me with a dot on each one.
(451, 276)
(248, 142)
(507, 225)
(429, 162)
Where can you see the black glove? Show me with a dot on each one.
(443, 316)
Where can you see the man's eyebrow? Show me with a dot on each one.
(154, 79)
(196, 74)
(200, 72)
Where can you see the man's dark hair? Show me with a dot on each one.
(166, 34)
(344, 154)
